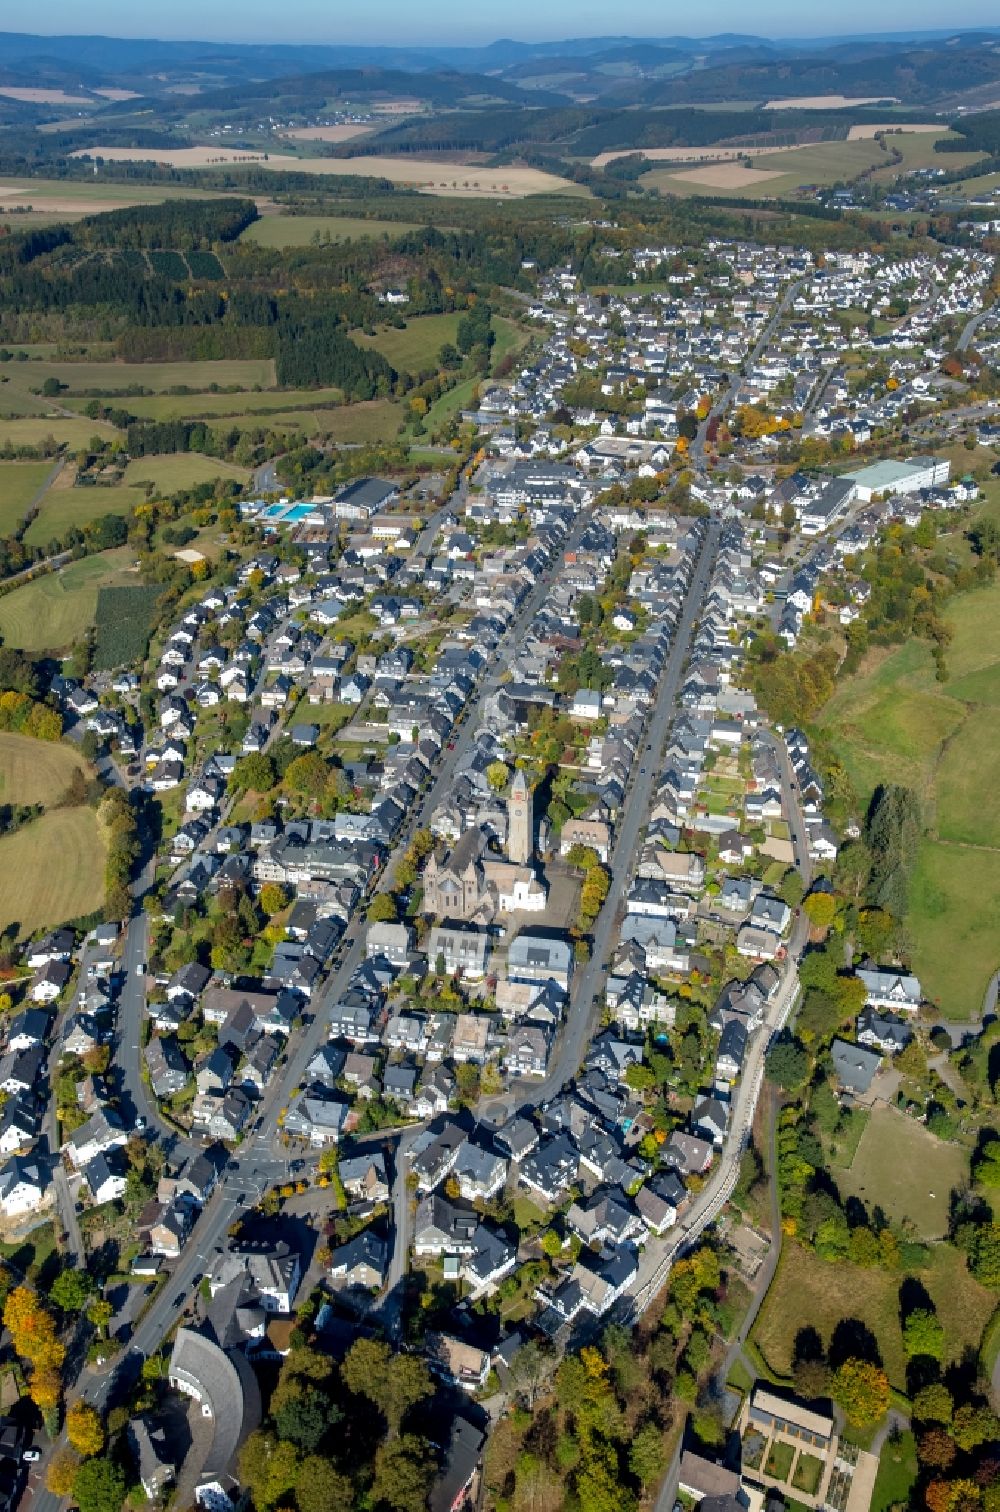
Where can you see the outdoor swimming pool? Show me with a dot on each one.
(287, 514)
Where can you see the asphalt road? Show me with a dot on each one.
(580, 1024)
(725, 398)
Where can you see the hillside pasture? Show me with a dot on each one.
(894, 722)
(113, 377)
(58, 430)
(788, 170)
(415, 345)
(20, 482)
(916, 146)
(204, 406)
(52, 612)
(374, 420)
(51, 870)
(62, 508)
(176, 470)
(807, 1290)
(300, 230)
(36, 771)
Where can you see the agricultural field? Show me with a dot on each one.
(820, 1293)
(36, 771)
(20, 483)
(124, 619)
(174, 471)
(906, 1170)
(821, 163)
(454, 179)
(894, 722)
(63, 507)
(52, 612)
(301, 230)
(51, 870)
(63, 199)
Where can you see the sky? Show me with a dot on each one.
(391, 22)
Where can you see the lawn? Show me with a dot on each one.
(897, 1472)
(51, 870)
(19, 483)
(893, 722)
(528, 1214)
(808, 1474)
(843, 1147)
(300, 230)
(779, 1460)
(35, 771)
(35, 1256)
(52, 612)
(63, 507)
(180, 470)
(906, 1171)
(808, 1291)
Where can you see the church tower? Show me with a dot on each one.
(520, 821)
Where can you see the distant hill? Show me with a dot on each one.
(919, 68)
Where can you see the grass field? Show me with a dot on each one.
(35, 771)
(63, 507)
(900, 1166)
(809, 1291)
(262, 403)
(38, 430)
(52, 612)
(299, 230)
(51, 870)
(917, 150)
(182, 470)
(68, 200)
(457, 398)
(415, 345)
(894, 722)
(111, 377)
(19, 483)
(897, 1471)
(374, 420)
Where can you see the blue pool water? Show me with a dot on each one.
(287, 514)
